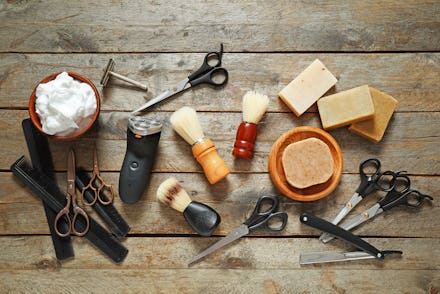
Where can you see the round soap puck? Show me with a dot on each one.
(277, 170)
(307, 162)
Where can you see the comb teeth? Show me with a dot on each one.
(171, 193)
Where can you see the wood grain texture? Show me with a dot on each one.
(410, 142)
(152, 26)
(411, 78)
(21, 212)
(393, 46)
(247, 253)
(222, 281)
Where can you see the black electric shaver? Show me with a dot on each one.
(142, 139)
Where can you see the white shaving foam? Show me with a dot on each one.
(64, 105)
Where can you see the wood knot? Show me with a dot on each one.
(235, 262)
(48, 264)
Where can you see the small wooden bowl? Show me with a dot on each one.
(36, 119)
(276, 170)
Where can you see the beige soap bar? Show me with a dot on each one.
(308, 87)
(373, 129)
(308, 162)
(346, 107)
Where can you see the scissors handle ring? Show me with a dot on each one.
(391, 184)
(112, 194)
(260, 218)
(258, 213)
(210, 56)
(61, 213)
(370, 162)
(218, 71)
(89, 186)
(102, 185)
(205, 67)
(76, 212)
(64, 212)
(367, 178)
(264, 223)
(207, 78)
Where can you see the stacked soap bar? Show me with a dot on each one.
(308, 87)
(374, 129)
(366, 109)
(346, 107)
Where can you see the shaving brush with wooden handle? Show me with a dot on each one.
(254, 107)
(186, 124)
(202, 218)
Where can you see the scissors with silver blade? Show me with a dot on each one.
(404, 197)
(371, 180)
(210, 72)
(261, 218)
(77, 211)
(368, 250)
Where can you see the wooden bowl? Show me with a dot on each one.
(276, 170)
(36, 119)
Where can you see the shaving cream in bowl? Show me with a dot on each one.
(64, 105)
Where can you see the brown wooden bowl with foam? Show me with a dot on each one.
(276, 169)
(36, 119)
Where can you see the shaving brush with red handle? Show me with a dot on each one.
(254, 107)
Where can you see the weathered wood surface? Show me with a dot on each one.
(140, 26)
(233, 200)
(411, 142)
(391, 45)
(412, 78)
(222, 281)
(247, 253)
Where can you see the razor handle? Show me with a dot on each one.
(138, 163)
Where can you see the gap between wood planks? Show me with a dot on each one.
(138, 235)
(221, 111)
(226, 52)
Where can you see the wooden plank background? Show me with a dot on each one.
(393, 46)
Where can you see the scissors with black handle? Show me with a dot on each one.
(399, 191)
(408, 198)
(64, 213)
(210, 73)
(371, 180)
(262, 218)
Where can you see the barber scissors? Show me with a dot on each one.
(371, 180)
(64, 213)
(97, 185)
(396, 197)
(263, 217)
(210, 72)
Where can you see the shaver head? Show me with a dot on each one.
(144, 126)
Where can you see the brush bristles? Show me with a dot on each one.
(186, 124)
(254, 106)
(171, 193)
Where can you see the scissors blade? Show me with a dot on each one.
(71, 173)
(238, 233)
(357, 220)
(355, 199)
(179, 87)
(331, 256)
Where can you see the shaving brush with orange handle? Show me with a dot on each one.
(254, 107)
(186, 124)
